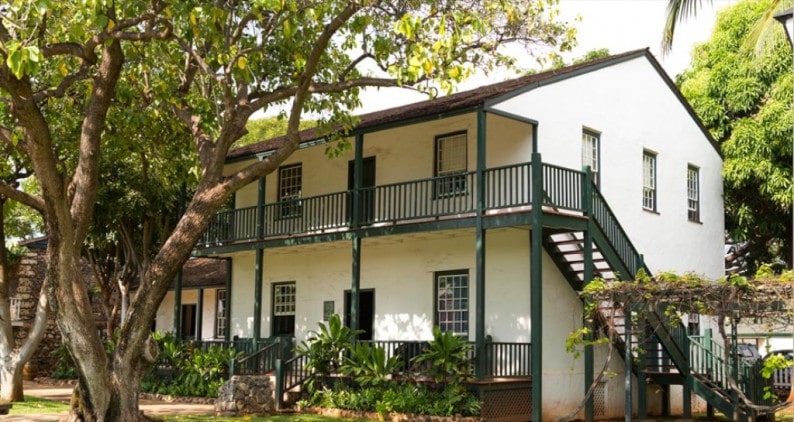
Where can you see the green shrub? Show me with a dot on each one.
(325, 350)
(446, 358)
(369, 366)
(183, 370)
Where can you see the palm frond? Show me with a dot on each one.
(677, 11)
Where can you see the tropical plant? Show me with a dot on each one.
(745, 101)
(325, 349)
(446, 358)
(369, 366)
(679, 10)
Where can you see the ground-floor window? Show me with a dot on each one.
(452, 301)
(220, 313)
(284, 309)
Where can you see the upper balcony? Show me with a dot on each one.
(507, 191)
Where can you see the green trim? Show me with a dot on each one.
(511, 116)
(628, 370)
(200, 314)
(536, 288)
(228, 299)
(355, 287)
(480, 244)
(587, 205)
(258, 270)
(357, 174)
(260, 208)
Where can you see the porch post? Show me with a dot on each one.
(479, 330)
(260, 257)
(228, 305)
(536, 286)
(587, 205)
(199, 314)
(178, 281)
(627, 358)
(355, 286)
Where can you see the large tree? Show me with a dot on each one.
(67, 66)
(745, 100)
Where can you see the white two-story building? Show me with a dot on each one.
(483, 213)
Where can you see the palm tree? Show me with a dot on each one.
(680, 10)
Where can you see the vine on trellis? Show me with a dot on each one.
(767, 296)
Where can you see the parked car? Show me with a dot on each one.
(748, 352)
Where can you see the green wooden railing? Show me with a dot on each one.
(619, 241)
(508, 186)
(707, 358)
(259, 362)
(306, 215)
(562, 187)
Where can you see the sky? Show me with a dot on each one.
(618, 25)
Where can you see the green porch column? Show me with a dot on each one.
(227, 329)
(479, 325)
(355, 285)
(178, 280)
(258, 267)
(199, 314)
(587, 207)
(536, 287)
(260, 258)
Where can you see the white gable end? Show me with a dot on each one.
(634, 110)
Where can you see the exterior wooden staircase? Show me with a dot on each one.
(669, 355)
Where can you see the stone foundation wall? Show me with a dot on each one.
(246, 395)
(26, 283)
(28, 279)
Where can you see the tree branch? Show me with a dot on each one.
(23, 198)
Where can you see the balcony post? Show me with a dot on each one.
(479, 331)
(260, 208)
(627, 361)
(355, 287)
(355, 212)
(536, 286)
(587, 277)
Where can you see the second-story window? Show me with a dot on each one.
(290, 185)
(450, 164)
(649, 180)
(693, 193)
(590, 151)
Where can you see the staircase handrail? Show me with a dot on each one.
(708, 360)
(606, 221)
(290, 374)
(261, 361)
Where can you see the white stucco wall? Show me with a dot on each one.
(402, 153)
(634, 109)
(165, 313)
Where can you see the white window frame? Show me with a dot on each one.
(450, 164)
(591, 152)
(693, 193)
(290, 189)
(284, 298)
(451, 300)
(649, 177)
(221, 309)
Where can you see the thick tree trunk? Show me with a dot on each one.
(11, 381)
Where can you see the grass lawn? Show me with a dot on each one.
(34, 405)
(280, 418)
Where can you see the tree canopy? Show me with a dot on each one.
(745, 101)
(95, 87)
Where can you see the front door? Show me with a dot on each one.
(366, 312)
(366, 208)
(188, 323)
